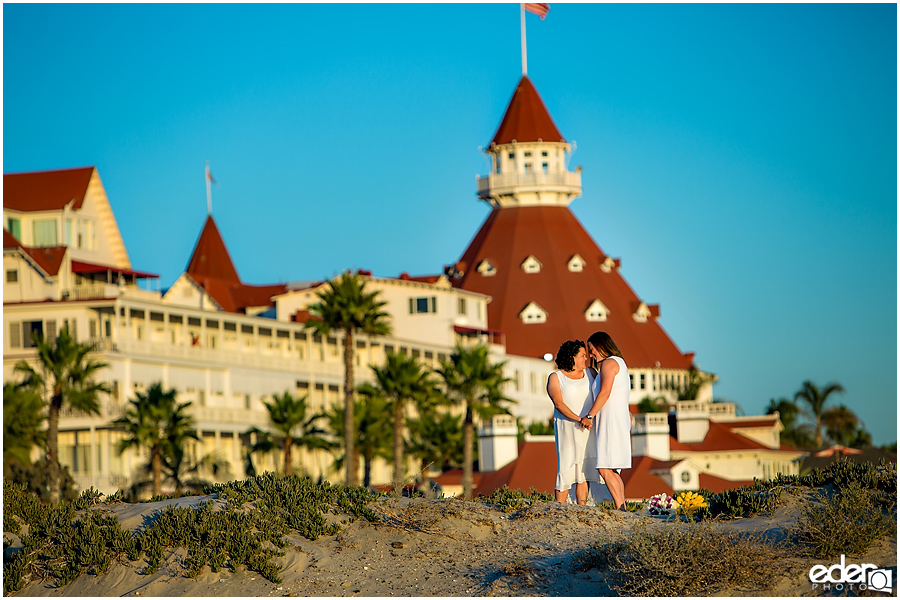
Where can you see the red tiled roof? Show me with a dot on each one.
(718, 485)
(418, 278)
(764, 421)
(10, 241)
(640, 483)
(526, 118)
(535, 467)
(454, 477)
(719, 438)
(84, 267)
(211, 268)
(553, 235)
(49, 259)
(45, 190)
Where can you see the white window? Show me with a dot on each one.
(462, 306)
(422, 305)
(15, 335)
(486, 268)
(597, 311)
(533, 313)
(527, 154)
(641, 314)
(576, 264)
(12, 276)
(45, 233)
(607, 265)
(531, 265)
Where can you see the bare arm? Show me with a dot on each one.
(555, 394)
(608, 371)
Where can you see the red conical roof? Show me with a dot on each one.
(526, 118)
(553, 236)
(211, 268)
(211, 258)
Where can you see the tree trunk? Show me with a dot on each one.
(352, 462)
(818, 432)
(367, 471)
(398, 447)
(53, 446)
(288, 461)
(468, 452)
(156, 465)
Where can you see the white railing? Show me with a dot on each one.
(496, 181)
(93, 292)
(644, 422)
(721, 409)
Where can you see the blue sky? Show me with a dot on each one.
(740, 159)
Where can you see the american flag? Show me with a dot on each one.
(539, 8)
(211, 178)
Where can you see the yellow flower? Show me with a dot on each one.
(689, 503)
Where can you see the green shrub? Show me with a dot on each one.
(683, 560)
(509, 500)
(65, 544)
(847, 523)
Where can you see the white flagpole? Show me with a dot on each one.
(524, 52)
(208, 191)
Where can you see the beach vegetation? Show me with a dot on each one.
(346, 306)
(65, 374)
(243, 523)
(693, 559)
(509, 500)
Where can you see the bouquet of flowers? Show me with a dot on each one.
(662, 504)
(689, 503)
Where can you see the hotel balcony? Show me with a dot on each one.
(506, 184)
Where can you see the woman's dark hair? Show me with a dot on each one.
(565, 357)
(605, 344)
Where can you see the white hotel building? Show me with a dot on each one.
(226, 346)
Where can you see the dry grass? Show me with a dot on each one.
(689, 560)
(849, 522)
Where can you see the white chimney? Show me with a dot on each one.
(497, 443)
(650, 435)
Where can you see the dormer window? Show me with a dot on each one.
(486, 268)
(576, 264)
(531, 265)
(642, 313)
(608, 265)
(533, 313)
(597, 311)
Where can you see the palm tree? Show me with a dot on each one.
(436, 438)
(401, 380)
(157, 421)
(843, 427)
(372, 427)
(65, 373)
(471, 379)
(653, 405)
(348, 307)
(795, 433)
(23, 425)
(816, 399)
(288, 416)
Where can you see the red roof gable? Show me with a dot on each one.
(717, 485)
(640, 483)
(553, 235)
(85, 267)
(10, 241)
(535, 467)
(45, 190)
(526, 118)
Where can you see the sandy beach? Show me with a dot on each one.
(423, 547)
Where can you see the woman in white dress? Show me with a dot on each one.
(610, 445)
(570, 390)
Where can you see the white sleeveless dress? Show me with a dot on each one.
(610, 445)
(571, 438)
